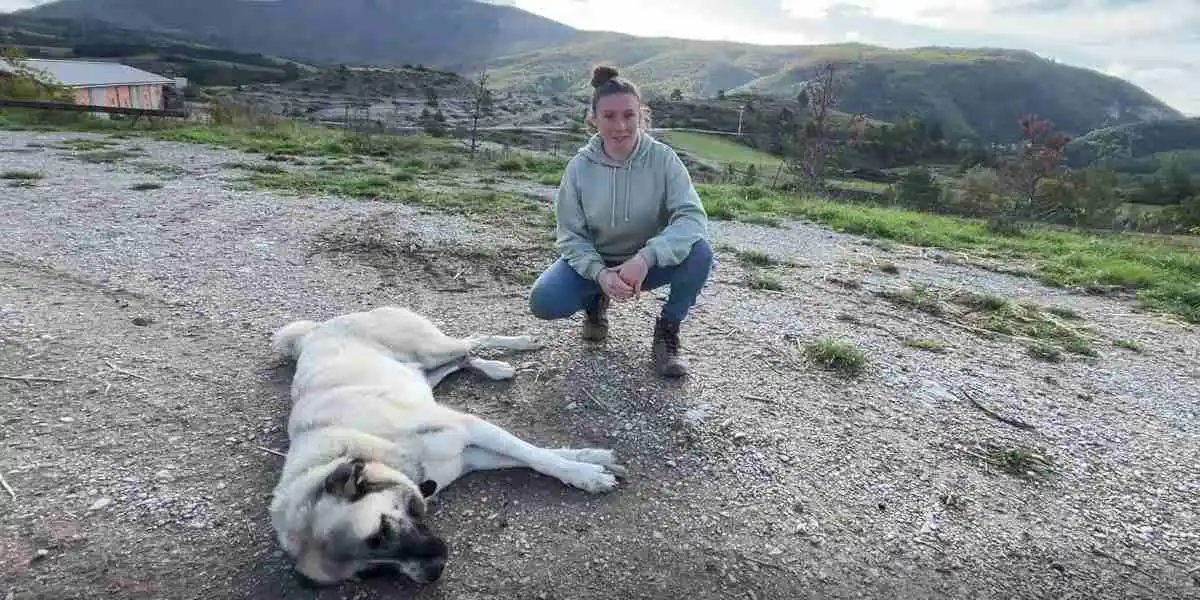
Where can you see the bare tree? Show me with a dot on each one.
(818, 134)
(481, 105)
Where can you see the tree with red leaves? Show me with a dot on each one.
(1038, 159)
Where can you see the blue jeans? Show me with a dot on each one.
(560, 292)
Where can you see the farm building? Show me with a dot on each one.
(102, 83)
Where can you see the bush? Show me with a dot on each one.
(918, 190)
(979, 193)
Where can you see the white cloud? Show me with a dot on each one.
(711, 20)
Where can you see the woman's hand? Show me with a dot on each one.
(613, 286)
(633, 271)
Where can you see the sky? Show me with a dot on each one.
(1153, 43)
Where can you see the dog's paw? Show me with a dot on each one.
(596, 456)
(590, 478)
(494, 369)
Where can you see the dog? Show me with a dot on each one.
(369, 445)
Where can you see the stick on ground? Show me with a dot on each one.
(32, 378)
(1019, 424)
(7, 487)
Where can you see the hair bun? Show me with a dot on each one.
(603, 74)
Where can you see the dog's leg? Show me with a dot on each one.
(492, 369)
(517, 343)
(586, 476)
(476, 458)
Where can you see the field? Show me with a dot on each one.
(718, 149)
(883, 403)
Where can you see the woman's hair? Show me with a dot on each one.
(606, 81)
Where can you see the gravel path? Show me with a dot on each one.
(142, 470)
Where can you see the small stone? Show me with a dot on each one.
(142, 321)
(99, 504)
(67, 419)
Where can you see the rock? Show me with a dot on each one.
(100, 504)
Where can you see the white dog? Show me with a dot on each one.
(369, 444)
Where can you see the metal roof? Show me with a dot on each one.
(86, 73)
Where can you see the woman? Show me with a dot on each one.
(628, 219)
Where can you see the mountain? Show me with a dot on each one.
(973, 93)
(441, 32)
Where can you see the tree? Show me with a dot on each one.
(481, 104)
(1038, 158)
(676, 95)
(818, 137)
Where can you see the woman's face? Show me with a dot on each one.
(618, 117)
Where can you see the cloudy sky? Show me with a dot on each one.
(1153, 43)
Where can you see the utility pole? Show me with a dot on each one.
(741, 109)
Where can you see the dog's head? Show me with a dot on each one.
(368, 516)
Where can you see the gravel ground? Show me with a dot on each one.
(142, 467)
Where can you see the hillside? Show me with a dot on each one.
(970, 93)
(1137, 146)
(973, 92)
(446, 32)
(163, 53)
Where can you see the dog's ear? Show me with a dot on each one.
(348, 480)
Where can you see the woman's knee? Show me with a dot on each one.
(551, 297)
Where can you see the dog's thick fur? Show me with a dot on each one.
(369, 444)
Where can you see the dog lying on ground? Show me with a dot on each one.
(369, 444)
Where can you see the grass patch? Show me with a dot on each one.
(256, 167)
(1044, 351)
(105, 156)
(85, 145)
(487, 204)
(985, 312)
(21, 175)
(929, 345)
(1163, 271)
(1020, 461)
(755, 258)
(720, 149)
(839, 356)
(757, 280)
(1131, 345)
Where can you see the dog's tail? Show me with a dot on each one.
(287, 339)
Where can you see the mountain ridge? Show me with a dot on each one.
(974, 93)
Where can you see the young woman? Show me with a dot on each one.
(628, 219)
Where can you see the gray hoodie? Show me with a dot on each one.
(607, 210)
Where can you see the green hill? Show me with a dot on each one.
(441, 32)
(976, 93)
(158, 52)
(1139, 147)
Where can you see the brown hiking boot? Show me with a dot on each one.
(666, 349)
(595, 320)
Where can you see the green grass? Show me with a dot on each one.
(839, 356)
(1163, 271)
(21, 175)
(719, 149)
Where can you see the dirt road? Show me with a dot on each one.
(141, 462)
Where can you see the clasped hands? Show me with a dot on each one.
(624, 281)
